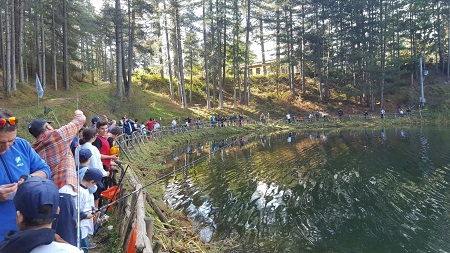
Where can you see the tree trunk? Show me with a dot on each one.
(448, 43)
(65, 48)
(278, 48)
(13, 46)
(118, 25)
(224, 61)
(247, 60)
(169, 62)
(124, 65)
(205, 56)
(191, 63)
(20, 51)
(7, 74)
(291, 53)
(111, 62)
(130, 49)
(219, 65)
(180, 58)
(160, 49)
(2, 48)
(54, 66)
(37, 47)
(44, 76)
(261, 41)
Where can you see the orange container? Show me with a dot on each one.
(111, 194)
(114, 150)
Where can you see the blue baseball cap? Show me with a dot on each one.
(34, 193)
(95, 119)
(84, 155)
(96, 175)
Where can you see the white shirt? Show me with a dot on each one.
(56, 247)
(174, 123)
(96, 161)
(86, 203)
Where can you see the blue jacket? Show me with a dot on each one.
(19, 159)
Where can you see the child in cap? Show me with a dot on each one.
(37, 205)
(84, 157)
(91, 178)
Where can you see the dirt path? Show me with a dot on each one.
(72, 98)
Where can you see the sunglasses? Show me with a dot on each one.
(11, 120)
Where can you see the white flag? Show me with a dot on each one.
(40, 90)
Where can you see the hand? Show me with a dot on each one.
(6, 190)
(80, 115)
(21, 180)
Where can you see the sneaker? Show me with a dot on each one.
(92, 245)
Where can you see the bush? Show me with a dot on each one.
(154, 82)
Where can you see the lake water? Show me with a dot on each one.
(337, 191)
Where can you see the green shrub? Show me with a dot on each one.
(154, 82)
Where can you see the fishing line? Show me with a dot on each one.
(166, 175)
(73, 103)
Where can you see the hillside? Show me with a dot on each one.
(150, 100)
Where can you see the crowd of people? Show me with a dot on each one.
(42, 182)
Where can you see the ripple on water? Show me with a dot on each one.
(353, 192)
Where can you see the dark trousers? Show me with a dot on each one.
(66, 223)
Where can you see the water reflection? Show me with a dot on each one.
(347, 191)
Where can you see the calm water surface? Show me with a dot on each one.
(343, 191)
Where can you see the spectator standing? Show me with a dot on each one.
(128, 126)
(103, 145)
(288, 117)
(37, 203)
(112, 125)
(157, 126)
(212, 119)
(174, 124)
(94, 121)
(20, 161)
(340, 113)
(53, 145)
(150, 124)
(112, 138)
(382, 112)
(89, 136)
(136, 125)
(75, 141)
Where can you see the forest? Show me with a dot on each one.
(363, 48)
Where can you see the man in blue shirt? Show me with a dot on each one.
(18, 161)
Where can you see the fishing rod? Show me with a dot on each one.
(73, 103)
(164, 176)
